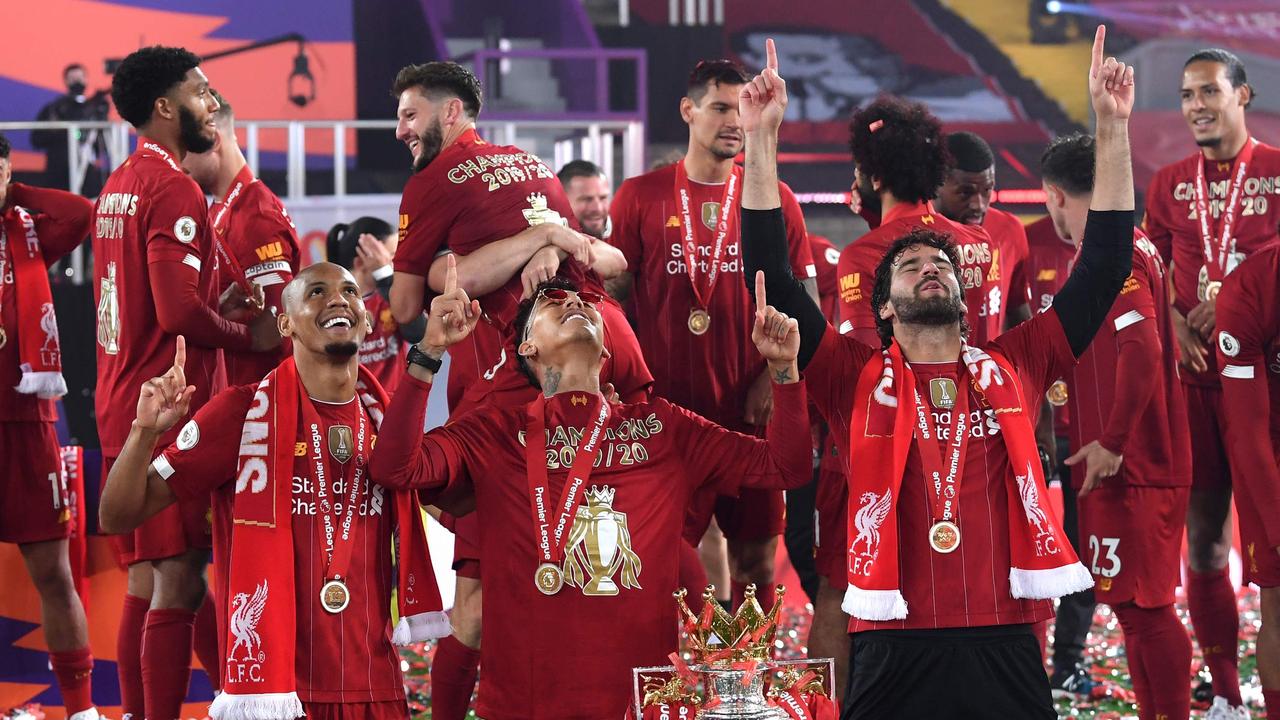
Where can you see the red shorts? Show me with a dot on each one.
(1209, 468)
(832, 510)
(33, 496)
(1261, 560)
(173, 531)
(753, 515)
(386, 710)
(1131, 541)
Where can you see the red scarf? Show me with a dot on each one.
(1042, 563)
(39, 353)
(262, 636)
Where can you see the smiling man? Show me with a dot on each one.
(1207, 213)
(582, 500)
(154, 279)
(303, 532)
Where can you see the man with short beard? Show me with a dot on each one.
(155, 278)
(303, 532)
(1207, 213)
(588, 189)
(502, 215)
(678, 227)
(955, 553)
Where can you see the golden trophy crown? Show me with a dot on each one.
(719, 639)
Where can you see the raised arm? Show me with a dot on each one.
(1106, 252)
(492, 266)
(64, 218)
(761, 105)
(404, 457)
(134, 490)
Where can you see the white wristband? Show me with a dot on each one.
(383, 272)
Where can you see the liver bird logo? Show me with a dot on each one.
(869, 518)
(245, 613)
(1031, 501)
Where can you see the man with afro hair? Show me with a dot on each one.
(155, 279)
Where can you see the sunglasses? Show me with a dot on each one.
(557, 296)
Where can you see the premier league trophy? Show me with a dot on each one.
(732, 667)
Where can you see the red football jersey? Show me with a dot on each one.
(383, 351)
(1173, 225)
(149, 212)
(859, 259)
(570, 655)
(473, 194)
(1135, 408)
(253, 225)
(61, 219)
(826, 258)
(1049, 261)
(341, 658)
(710, 373)
(1008, 263)
(1248, 322)
(969, 587)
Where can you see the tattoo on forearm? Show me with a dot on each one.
(783, 376)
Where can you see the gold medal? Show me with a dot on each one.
(944, 536)
(548, 579)
(1057, 394)
(699, 321)
(334, 596)
(942, 392)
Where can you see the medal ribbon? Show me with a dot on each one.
(337, 540)
(727, 220)
(1229, 214)
(944, 508)
(551, 542)
(237, 273)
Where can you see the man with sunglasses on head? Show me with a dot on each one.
(693, 318)
(506, 219)
(583, 500)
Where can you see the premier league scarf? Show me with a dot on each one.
(1042, 563)
(39, 353)
(262, 635)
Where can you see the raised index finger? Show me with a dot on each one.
(771, 55)
(761, 301)
(180, 353)
(1098, 40)
(451, 273)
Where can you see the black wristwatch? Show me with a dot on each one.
(421, 359)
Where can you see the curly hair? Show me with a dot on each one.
(899, 143)
(884, 275)
(441, 79)
(146, 75)
(522, 320)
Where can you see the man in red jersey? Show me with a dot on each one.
(898, 148)
(1049, 260)
(951, 553)
(693, 318)
(569, 611)
(252, 224)
(37, 228)
(1248, 324)
(505, 216)
(1206, 213)
(304, 532)
(965, 197)
(154, 271)
(1132, 458)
